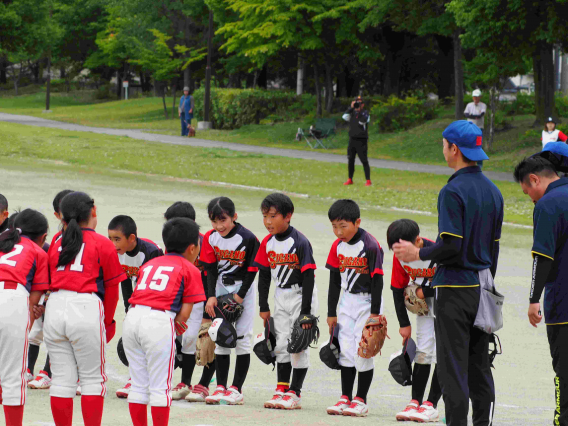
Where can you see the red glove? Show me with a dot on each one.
(180, 327)
(110, 331)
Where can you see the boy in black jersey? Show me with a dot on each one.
(285, 256)
(355, 262)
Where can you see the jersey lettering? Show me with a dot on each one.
(359, 264)
(76, 266)
(419, 272)
(290, 260)
(235, 257)
(5, 260)
(159, 280)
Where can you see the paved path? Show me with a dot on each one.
(254, 149)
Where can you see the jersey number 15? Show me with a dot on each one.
(159, 280)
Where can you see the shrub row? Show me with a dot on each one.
(397, 114)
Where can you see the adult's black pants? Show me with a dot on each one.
(558, 341)
(464, 370)
(358, 147)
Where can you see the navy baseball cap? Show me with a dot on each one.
(468, 137)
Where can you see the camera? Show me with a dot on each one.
(356, 105)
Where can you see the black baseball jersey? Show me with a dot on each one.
(233, 254)
(286, 256)
(358, 261)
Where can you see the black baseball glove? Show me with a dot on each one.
(302, 338)
(231, 309)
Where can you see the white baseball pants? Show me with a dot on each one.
(352, 313)
(36, 333)
(148, 337)
(425, 340)
(244, 324)
(287, 307)
(189, 338)
(75, 337)
(14, 323)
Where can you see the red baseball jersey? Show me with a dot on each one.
(95, 268)
(166, 282)
(26, 264)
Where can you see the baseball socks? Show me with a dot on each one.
(187, 367)
(420, 375)
(207, 374)
(435, 389)
(47, 367)
(160, 416)
(222, 365)
(298, 377)
(284, 372)
(241, 371)
(33, 353)
(348, 375)
(62, 410)
(364, 384)
(14, 415)
(92, 409)
(138, 414)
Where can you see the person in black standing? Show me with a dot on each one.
(358, 118)
(470, 217)
(539, 180)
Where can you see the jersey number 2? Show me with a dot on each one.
(4, 260)
(159, 280)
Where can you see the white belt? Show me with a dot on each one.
(148, 308)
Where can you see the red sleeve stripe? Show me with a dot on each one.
(252, 269)
(260, 265)
(331, 267)
(377, 271)
(309, 266)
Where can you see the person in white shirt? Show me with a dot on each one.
(551, 133)
(475, 111)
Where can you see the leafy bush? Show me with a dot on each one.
(562, 105)
(104, 92)
(399, 114)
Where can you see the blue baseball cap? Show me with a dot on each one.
(468, 137)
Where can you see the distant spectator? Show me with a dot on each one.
(551, 133)
(475, 111)
(185, 111)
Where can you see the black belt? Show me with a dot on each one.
(228, 280)
(288, 285)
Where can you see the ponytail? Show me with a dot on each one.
(75, 210)
(29, 223)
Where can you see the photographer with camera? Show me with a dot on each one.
(358, 119)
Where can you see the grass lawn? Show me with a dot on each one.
(403, 190)
(421, 144)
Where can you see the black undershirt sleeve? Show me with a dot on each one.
(400, 308)
(446, 248)
(247, 282)
(212, 275)
(264, 279)
(495, 259)
(308, 281)
(428, 291)
(376, 294)
(333, 293)
(541, 269)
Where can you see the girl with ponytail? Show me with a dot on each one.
(79, 319)
(23, 279)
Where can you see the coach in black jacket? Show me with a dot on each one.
(358, 119)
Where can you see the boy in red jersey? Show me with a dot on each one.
(79, 317)
(167, 287)
(23, 278)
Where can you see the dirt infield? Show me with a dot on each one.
(523, 374)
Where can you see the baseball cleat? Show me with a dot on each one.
(337, 409)
(425, 414)
(29, 375)
(280, 391)
(180, 391)
(411, 408)
(368, 183)
(123, 393)
(217, 395)
(290, 401)
(232, 397)
(42, 381)
(358, 408)
(348, 182)
(198, 394)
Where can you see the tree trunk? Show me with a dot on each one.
(445, 84)
(164, 86)
(263, 77)
(392, 74)
(300, 77)
(174, 91)
(563, 75)
(319, 111)
(543, 83)
(62, 72)
(48, 88)
(328, 88)
(3, 73)
(35, 71)
(493, 106)
(187, 77)
(118, 85)
(458, 76)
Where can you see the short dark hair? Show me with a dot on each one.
(281, 202)
(402, 229)
(29, 223)
(347, 210)
(534, 165)
(124, 224)
(180, 209)
(220, 207)
(467, 160)
(179, 233)
(3, 203)
(58, 198)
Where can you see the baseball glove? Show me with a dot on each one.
(231, 309)
(302, 338)
(373, 338)
(413, 303)
(205, 347)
